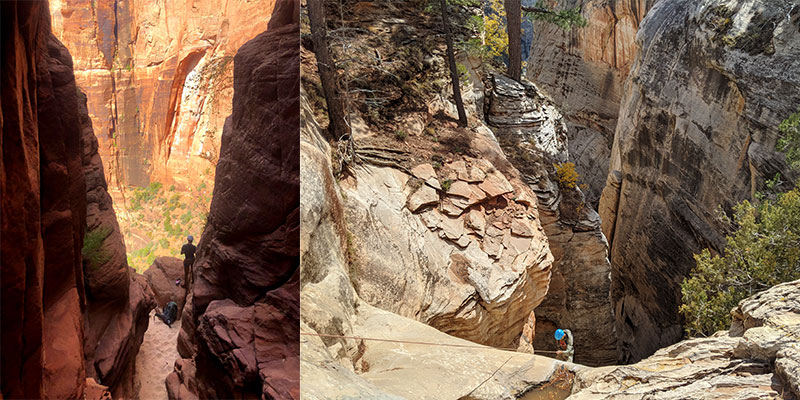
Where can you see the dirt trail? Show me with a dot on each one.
(156, 358)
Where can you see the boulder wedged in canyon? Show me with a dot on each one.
(341, 258)
(239, 326)
(584, 72)
(158, 76)
(533, 135)
(697, 126)
(161, 278)
(755, 359)
(73, 315)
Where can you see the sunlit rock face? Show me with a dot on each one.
(159, 79)
(697, 132)
(584, 72)
(239, 326)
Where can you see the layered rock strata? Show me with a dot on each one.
(158, 76)
(533, 135)
(239, 326)
(756, 359)
(584, 71)
(697, 129)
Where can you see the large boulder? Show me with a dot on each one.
(696, 134)
(239, 325)
(161, 277)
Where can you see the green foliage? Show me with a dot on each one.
(93, 250)
(567, 176)
(763, 251)
(789, 142)
(564, 19)
(446, 184)
(400, 135)
(463, 73)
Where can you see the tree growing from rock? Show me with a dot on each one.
(564, 19)
(327, 70)
(451, 61)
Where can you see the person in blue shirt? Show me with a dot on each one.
(567, 351)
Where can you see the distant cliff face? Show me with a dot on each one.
(158, 77)
(584, 72)
(696, 132)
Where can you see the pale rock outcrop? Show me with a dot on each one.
(697, 126)
(755, 359)
(584, 72)
(338, 253)
(533, 135)
(159, 78)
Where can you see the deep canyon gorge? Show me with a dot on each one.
(368, 239)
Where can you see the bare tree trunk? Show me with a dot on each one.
(514, 28)
(327, 70)
(451, 58)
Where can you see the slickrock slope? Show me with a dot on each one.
(53, 188)
(158, 76)
(118, 299)
(383, 254)
(758, 358)
(533, 135)
(584, 72)
(697, 127)
(239, 326)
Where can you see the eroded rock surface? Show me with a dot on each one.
(755, 359)
(533, 135)
(697, 126)
(584, 72)
(72, 322)
(366, 257)
(159, 78)
(239, 326)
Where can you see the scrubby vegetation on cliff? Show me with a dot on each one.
(763, 250)
(157, 219)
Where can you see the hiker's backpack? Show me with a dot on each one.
(171, 312)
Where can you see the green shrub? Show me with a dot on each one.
(446, 184)
(93, 250)
(763, 251)
(400, 135)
